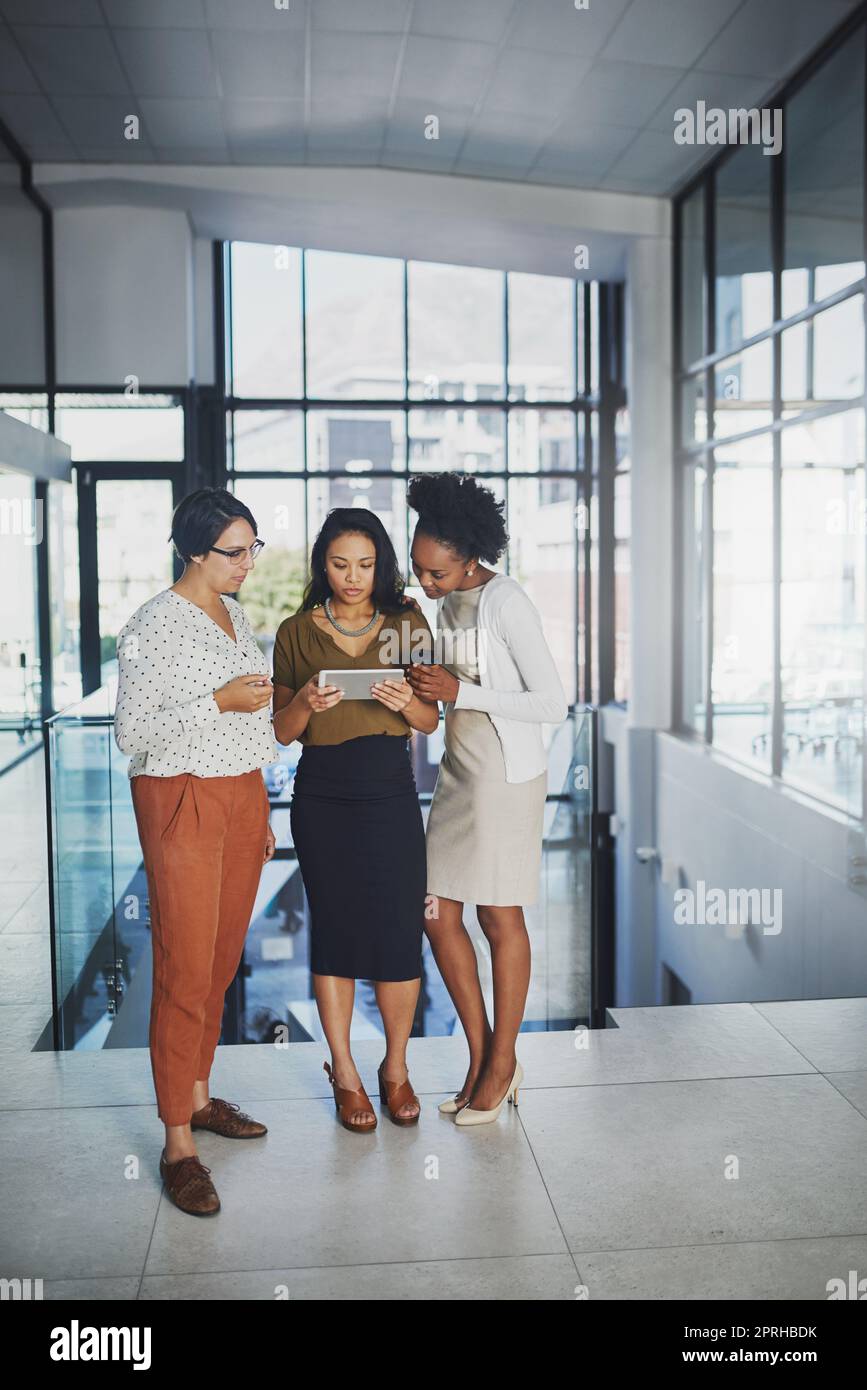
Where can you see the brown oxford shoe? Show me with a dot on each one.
(224, 1117)
(189, 1185)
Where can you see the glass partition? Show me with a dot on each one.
(100, 912)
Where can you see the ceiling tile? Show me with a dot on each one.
(52, 12)
(170, 122)
(155, 14)
(406, 132)
(34, 123)
(353, 65)
(555, 26)
(655, 158)
(353, 16)
(538, 90)
(445, 71)
(673, 33)
(722, 89)
(260, 65)
(100, 121)
(535, 84)
(262, 14)
(586, 146)
(72, 61)
(497, 130)
(350, 126)
(15, 75)
(501, 148)
(264, 125)
(771, 36)
(167, 62)
(484, 20)
(622, 93)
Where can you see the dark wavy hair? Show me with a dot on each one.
(458, 512)
(202, 517)
(388, 585)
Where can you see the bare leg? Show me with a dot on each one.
(397, 1000)
(179, 1138)
(506, 932)
(335, 996)
(179, 1143)
(456, 961)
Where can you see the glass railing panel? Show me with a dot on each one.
(79, 745)
(101, 909)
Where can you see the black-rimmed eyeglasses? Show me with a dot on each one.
(235, 555)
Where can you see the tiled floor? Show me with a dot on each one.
(714, 1151)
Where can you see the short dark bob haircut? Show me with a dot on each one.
(201, 518)
(388, 585)
(458, 512)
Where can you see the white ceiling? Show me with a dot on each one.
(525, 90)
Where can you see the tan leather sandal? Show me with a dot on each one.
(394, 1095)
(349, 1103)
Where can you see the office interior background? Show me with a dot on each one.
(308, 252)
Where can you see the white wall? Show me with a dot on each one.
(124, 296)
(22, 329)
(719, 824)
(386, 212)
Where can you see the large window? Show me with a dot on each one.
(349, 373)
(773, 531)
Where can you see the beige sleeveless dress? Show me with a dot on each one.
(484, 834)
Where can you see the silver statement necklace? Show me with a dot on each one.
(347, 631)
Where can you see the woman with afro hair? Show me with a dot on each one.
(500, 686)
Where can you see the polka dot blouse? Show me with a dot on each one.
(171, 658)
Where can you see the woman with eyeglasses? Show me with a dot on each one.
(192, 711)
(355, 816)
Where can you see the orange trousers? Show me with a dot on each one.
(203, 842)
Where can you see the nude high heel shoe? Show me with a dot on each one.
(450, 1107)
(469, 1116)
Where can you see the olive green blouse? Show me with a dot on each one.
(302, 649)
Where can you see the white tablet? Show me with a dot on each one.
(356, 684)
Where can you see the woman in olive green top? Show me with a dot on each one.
(355, 817)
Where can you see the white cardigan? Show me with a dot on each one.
(520, 686)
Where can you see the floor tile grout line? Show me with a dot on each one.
(777, 1030)
(717, 1244)
(463, 1259)
(565, 1086)
(361, 1264)
(547, 1193)
(845, 1097)
(150, 1239)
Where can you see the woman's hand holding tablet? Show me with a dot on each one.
(318, 696)
(395, 694)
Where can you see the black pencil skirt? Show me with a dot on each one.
(359, 835)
